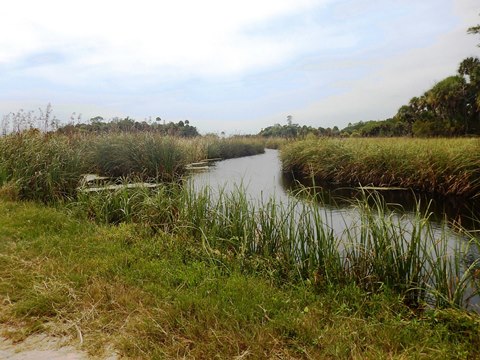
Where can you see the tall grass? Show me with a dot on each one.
(42, 167)
(443, 166)
(296, 242)
(233, 147)
(48, 166)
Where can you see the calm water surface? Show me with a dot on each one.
(261, 176)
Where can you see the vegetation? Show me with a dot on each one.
(99, 125)
(236, 146)
(294, 241)
(450, 108)
(170, 271)
(48, 166)
(442, 166)
(373, 128)
(183, 275)
(295, 131)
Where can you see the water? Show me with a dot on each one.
(261, 176)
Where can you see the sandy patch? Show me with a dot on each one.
(43, 347)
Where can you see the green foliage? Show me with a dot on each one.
(295, 242)
(43, 167)
(290, 131)
(233, 147)
(385, 128)
(49, 166)
(449, 108)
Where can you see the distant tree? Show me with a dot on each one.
(474, 30)
(97, 124)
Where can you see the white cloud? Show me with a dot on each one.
(137, 37)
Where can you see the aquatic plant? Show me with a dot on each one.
(233, 147)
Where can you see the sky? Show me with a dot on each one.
(229, 66)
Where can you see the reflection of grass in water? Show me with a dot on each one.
(295, 241)
(457, 211)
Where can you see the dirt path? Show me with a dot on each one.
(43, 347)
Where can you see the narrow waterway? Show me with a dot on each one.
(261, 177)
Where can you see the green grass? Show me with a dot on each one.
(233, 147)
(157, 295)
(171, 272)
(442, 166)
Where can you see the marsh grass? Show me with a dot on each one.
(48, 166)
(233, 147)
(181, 272)
(43, 167)
(442, 166)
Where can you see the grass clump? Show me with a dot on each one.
(442, 166)
(43, 167)
(233, 147)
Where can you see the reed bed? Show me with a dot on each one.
(442, 166)
(296, 242)
(49, 166)
(233, 147)
(276, 142)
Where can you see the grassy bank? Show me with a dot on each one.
(296, 241)
(48, 167)
(443, 166)
(164, 295)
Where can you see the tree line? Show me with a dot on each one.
(99, 125)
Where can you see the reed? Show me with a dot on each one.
(142, 295)
(443, 166)
(42, 167)
(233, 147)
(276, 142)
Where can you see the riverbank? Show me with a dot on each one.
(163, 295)
(437, 166)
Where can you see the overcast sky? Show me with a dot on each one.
(233, 66)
